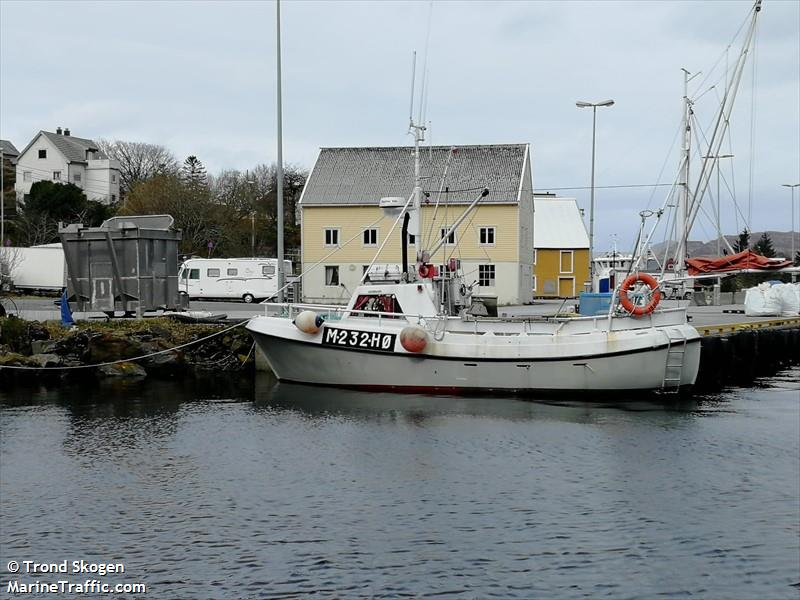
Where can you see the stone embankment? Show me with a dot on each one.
(123, 348)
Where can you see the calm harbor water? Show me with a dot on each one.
(205, 490)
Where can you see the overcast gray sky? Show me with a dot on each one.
(199, 78)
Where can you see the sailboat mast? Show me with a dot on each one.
(691, 207)
(279, 167)
(684, 198)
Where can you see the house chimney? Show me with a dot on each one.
(66, 131)
(58, 130)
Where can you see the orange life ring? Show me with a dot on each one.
(626, 301)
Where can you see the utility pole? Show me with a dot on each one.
(279, 173)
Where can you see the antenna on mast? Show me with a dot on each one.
(413, 80)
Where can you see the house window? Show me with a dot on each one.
(232, 272)
(534, 283)
(113, 197)
(194, 273)
(42, 153)
(56, 175)
(451, 239)
(268, 270)
(487, 236)
(212, 272)
(331, 237)
(412, 239)
(370, 237)
(76, 177)
(486, 275)
(534, 256)
(566, 261)
(26, 176)
(113, 178)
(332, 276)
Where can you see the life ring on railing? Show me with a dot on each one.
(626, 302)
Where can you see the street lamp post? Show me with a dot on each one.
(251, 182)
(593, 106)
(791, 186)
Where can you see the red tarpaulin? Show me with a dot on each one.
(746, 259)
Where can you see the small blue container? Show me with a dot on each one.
(594, 304)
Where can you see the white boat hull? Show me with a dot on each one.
(595, 361)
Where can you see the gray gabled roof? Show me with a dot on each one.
(365, 175)
(73, 148)
(9, 150)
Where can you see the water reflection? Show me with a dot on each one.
(316, 400)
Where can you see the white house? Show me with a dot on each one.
(63, 158)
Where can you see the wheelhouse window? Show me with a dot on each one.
(268, 270)
(194, 273)
(232, 272)
(331, 236)
(332, 275)
(451, 239)
(370, 237)
(376, 303)
(212, 272)
(486, 236)
(486, 275)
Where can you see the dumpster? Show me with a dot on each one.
(128, 264)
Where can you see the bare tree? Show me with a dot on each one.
(139, 161)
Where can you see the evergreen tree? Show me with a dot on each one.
(193, 172)
(797, 259)
(764, 246)
(743, 243)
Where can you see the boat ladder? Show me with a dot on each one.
(676, 351)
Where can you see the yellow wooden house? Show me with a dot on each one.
(343, 228)
(561, 248)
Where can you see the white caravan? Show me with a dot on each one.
(38, 268)
(250, 279)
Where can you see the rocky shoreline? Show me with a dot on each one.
(134, 348)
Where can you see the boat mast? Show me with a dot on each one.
(418, 131)
(692, 200)
(685, 195)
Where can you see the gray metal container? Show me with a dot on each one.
(127, 264)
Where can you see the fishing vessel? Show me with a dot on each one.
(416, 327)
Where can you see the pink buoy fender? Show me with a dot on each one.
(413, 338)
(308, 321)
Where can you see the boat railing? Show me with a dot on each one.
(336, 312)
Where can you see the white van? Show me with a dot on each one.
(250, 279)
